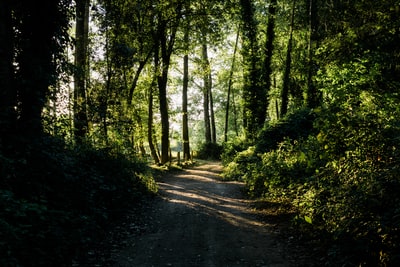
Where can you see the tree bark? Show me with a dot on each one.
(104, 99)
(230, 82)
(141, 66)
(235, 114)
(81, 126)
(166, 41)
(162, 90)
(254, 93)
(185, 126)
(212, 114)
(164, 38)
(286, 75)
(150, 129)
(312, 99)
(269, 46)
(206, 89)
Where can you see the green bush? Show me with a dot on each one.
(293, 163)
(281, 171)
(241, 166)
(358, 205)
(243, 162)
(355, 195)
(343, 179)
(210, 151)
(294, 126)
(231, 148)
(55, 202)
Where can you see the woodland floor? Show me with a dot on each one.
(199, 220)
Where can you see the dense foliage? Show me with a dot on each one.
(338, 162)
(56, 198)
(57, 201)
(294, 126)
(209, 151)
(343, 180)
(313, 97)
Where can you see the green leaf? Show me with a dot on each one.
(308, 219)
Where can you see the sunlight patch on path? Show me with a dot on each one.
(228, 209)
(200, 220)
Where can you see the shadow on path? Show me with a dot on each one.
(202, 221)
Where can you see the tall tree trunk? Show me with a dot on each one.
(212, 115)
(269, 45)
(254, 94)
(162, 90)
(235, 114)
(162, 75)
(104, 99)
(104, 105)
(286, 75)
(230, 82)
(36, 68)
(312, 98)
(141, 66)
(206, 89)
(150, 129)
(8, 94)
(166, 39)
(185, 123)
(81, 72)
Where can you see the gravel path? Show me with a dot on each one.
(201, 220)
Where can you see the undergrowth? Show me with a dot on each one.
(57, 201)
(342, 178)
(209, 151)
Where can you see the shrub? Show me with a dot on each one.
(281, 171)
(55, 202)
(355, 195)
(210, 151)
(231, 148)
(294, 126)
(241, 166)
(358, 204)
(342, 175)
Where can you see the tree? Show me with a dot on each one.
(150, 128)
(138, 37)
(254, 95)
(206, 88)
(42, 36)
(81, 74)
(8, 94)
(312, 98)
(207, 22)
(208, 29)
(128, 36)
(228, 98)
(166, 29)
(185, 85)
(109, 75)
(269, 46)
(286, 75)
(212, 112)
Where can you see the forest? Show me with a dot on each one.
(297, 98)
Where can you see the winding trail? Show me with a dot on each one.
(201, 220)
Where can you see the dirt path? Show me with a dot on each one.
(202, 221)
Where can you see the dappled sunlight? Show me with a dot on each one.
(202, 174)
(224, 205)
(200, 220)
(198, 178)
